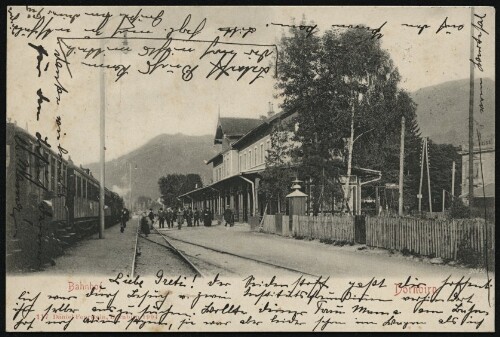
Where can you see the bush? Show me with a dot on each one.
(469, 257)
(459, 210)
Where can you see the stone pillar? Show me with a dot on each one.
(231, 200)
(249, 202)
(256, 206)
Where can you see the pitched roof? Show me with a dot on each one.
(235, 127)
(489, 191)
(264, 123)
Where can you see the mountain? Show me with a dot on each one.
(162, 155)
(443, 110)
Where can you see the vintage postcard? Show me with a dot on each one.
(250, 169)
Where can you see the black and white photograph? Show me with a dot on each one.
(250, 168)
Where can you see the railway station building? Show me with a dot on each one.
(243, 144)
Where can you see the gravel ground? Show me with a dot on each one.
(210, 262)
(153, 257)
(311, 257)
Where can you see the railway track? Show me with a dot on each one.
(269, 264)
(166, 244)
(135, 248)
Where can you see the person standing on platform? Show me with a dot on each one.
(144, 224)
(151, 217)
(170, 218)
(228, 217)
(196, 215)
(161, 218)
(167, 210)
(124, 218)
(180, 218)
(184, 213)
(207, 217)
(189, 217)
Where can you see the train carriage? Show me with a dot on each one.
(50, 202)
(83, 204)
(35, 198)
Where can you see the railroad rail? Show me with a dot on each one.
(236, 255)
(170, 247)
(135, 247)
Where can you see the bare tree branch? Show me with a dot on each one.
(355, 139)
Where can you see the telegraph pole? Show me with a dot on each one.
(130, 187)
(102, 145)
(453, 180)
(422, 156)
(471, 113)
(428, 175)
(401, 165)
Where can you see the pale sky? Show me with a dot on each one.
(140, 107)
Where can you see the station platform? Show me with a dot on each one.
(94, 256)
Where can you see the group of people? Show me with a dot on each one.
(171, 216)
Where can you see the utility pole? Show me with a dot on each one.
(102, 113)
(443, 198)
(350, 145)
(401, 165)
(428, 175)
(422, 156)
(471, 113)
(453, 181)
(130, 186)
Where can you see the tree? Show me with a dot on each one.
(441, 157)
(278, 175)
(192, 182)
(174, 185)
(344, 88)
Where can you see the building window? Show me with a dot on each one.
(78, 186)
(240, 168)
(261, 153)
(53, 174)
(244, 161)
(65, 177)
(249, 158)
(46, 169)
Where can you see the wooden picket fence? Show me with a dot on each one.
(430, 237)
(285, 227)
(269, 224)
(444, 238)
(335, 228)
